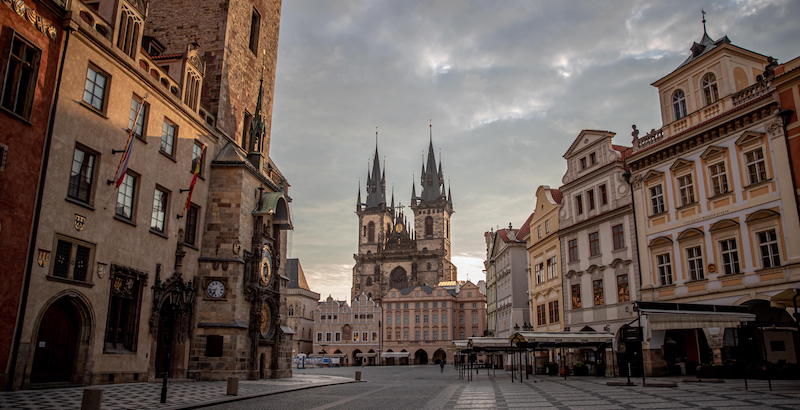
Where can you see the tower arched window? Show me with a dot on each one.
(679, 104)
(710, 90)
(428, 226)
(371, 232)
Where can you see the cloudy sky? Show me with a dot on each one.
(507, 84)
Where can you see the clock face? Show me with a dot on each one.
(215, 289)
(399, 227)
(266, 266)
(266, 320)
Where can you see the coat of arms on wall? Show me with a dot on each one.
(80, 222)
(43, 258)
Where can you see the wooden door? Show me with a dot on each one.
(56, 344)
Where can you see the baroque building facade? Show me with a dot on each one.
(394, 253)
(161, 249)
(544, 254)
(506, 280)
(349, 334)
(717, 212)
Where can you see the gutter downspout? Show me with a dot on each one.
(786, 116)
(12, 367)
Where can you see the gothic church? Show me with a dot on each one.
(393, 254)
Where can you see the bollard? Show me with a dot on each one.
(92, 399)
(233, 386)
(358, 376)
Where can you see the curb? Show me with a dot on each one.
(230, 399)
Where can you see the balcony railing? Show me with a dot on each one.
(750, 93)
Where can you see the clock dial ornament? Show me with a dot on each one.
(266, 266)
(266, 320)
(215, 289)
(399, 227)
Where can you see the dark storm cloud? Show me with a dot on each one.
(507, 84)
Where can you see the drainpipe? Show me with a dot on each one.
(12, 367)
(786, 116)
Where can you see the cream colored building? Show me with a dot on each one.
(350, 335)
(715, 209)
(507, 269)
(301, 302)
(544, 254)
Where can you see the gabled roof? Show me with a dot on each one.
(577, 142)
(705, 45)
(525, 229)
(558, 196)
(297, 279)
(625, 151)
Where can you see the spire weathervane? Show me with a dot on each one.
(703, 12)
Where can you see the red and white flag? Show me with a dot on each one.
(122, 167)
(198, 164)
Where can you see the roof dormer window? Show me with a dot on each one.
(710, 90)
(128, 31)
(679, 104)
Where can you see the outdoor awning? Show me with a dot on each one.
(394, 355)
(666, 316)
(559, 338)
(488, 343)
(461, 344)
(785, 298)
(366, 354)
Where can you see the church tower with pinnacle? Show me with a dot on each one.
(393, 252)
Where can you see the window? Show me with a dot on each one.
(539, 269)
(572, 245)
(623, 290)
(576, 296)
(328, 336)
(710, 91)
(416, 335)
(364, 337)
(435, 318)
(538, 232)
(578, 204)
(583, 163)
(594, 244)
(603, 195)
(428, 226)
(686, 188)
(140, 107)
(416, 318)
(664, 265)
(618, 236)
(168, 133)
(547, 226)
(657, 199)
(198, 154)
(474, 319)
(553, 310)
(192, 220)
(159, 214)
(337, 337)
(192, 90)
(214, 345)
(122, 325)
(694, 258)
(730, 256)
(541, 318)
(319, 336)
(597, 292)
(81, 176)
(756, 168)
(592, 158)
(719, 179)
(94, 90)
(125, 197)
(590, 199)
(551, 268)
(678, 104)
(129, 28)
(768, 247)
(73, 259)
(444, 317)
(424, 318)
(21, 75)
(255, 29)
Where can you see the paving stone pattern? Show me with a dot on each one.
(147, 395)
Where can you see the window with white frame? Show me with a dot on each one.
(657, 199)
(664, 266)
(694, 258)
(768, 248)
(539, 270)
(679, 104)
(710, 91)
(603, 194)
(125, 197)
(730, 256)
(756, 166)
(719, 178)
(578, 204)
(686, 188)
(159, 215)
(547, 226)
(551, 267)
(590, 199)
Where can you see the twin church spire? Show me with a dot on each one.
(431, 180)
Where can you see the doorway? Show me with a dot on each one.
(421, 357)
(56, 344)
(165, 342)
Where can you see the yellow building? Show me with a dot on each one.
(717, 221)
(546, 297)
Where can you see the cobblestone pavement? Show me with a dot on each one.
(147, 395)
(424, 387)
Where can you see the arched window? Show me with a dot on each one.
(371, 232)
(428, 226)
(679, 104)
(291, 310)
(130, 26)
(710, 91)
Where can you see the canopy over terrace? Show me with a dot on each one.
(561, 339)
(395, 355)
(666, 316)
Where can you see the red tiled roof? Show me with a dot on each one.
(167, 56)
(625, 151)
(557, 195)
(525, 229)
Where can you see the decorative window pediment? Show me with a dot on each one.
(651, 175)
(660, 241)
(618, 262)
(713, 151)
(680, 163)
(750, 136)
(723, 224)
(690, 233)
(761, 215)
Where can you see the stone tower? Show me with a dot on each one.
(433, 209)
(394, 253)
